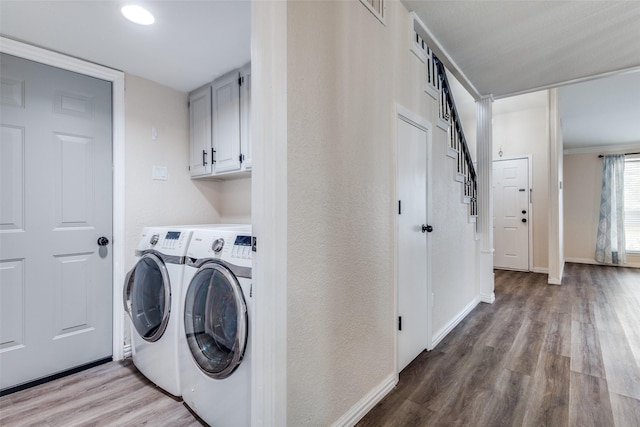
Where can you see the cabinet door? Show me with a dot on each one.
(200, 132)
(226, 123)
(245, 116)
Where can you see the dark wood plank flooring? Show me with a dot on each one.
(541, 355)
(113, 394)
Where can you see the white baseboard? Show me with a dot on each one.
(440, 334)
(489, 299)
(540, 270)
(360, 409)
(594, 262)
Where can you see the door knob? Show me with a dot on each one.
(103, 241)
(427, 228)
(524, 212)
(524, 219)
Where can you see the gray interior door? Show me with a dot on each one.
(56, 202)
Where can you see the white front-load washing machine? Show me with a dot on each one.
(152, 292)
(215, 368)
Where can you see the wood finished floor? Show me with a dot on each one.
(113, 394)
(541, 355)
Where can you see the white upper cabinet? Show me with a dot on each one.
(245, 116)
(200, 132)
(226, 123)
(224, 147)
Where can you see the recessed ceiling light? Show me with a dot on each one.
(138, 15)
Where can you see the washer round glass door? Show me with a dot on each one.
(147, 297)
(215, 320)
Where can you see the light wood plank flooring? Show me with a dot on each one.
(541, 355)
(113, 394)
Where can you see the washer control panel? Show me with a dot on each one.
(172, 240)
(165, 240)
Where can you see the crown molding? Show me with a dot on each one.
(603, 148)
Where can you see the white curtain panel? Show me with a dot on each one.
(610, 244)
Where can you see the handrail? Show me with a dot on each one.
(465, 162)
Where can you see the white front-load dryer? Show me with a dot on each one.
(152, 292)
(215, 346)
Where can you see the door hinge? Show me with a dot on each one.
(399, 207)
(241, 158)
(254, 244)
(399, 323)
(239, 80)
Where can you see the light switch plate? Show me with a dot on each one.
(160, 173)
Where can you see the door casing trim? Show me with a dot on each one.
(44, 56)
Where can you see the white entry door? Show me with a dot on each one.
(412, 268)
(56, 204)
(511, 214)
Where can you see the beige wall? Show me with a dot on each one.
(345, 73)
(521, 127)
(234, 200)
(466, 106)
(179, 200)
(582, 185)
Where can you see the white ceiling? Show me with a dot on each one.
(506, 47)
(502, 47)
(191, 43)
(601, 112)
(509, 47)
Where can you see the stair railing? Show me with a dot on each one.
(457, 140)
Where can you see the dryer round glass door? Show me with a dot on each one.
(147, 297)
(215, 320)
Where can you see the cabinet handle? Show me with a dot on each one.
(204, 158)
(213, 160)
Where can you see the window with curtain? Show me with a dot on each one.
(610, 241)
(632, 203)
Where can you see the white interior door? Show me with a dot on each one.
(511, 214)
(413, 307)
(56, 194)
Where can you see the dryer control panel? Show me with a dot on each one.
(226, 245)
(242, 247)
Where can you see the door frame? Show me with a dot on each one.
(529, 159)
(116, 78)
(408, 116)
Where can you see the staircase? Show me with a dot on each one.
(458, 148)
(437, 86)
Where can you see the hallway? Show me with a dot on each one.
(541, 355)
